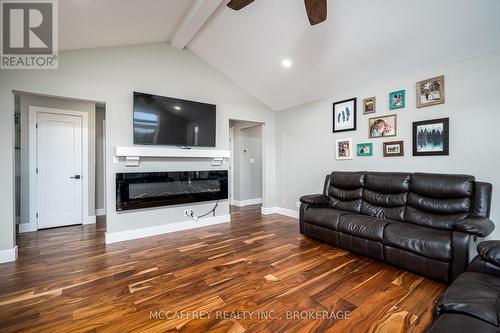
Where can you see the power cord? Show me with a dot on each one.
(195, 218)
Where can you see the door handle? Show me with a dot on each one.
(76, 177)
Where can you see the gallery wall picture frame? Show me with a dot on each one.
(345, 115)
(430, 92)
(382, 126)
(344, 149)
(364, 149)
(431, 137)
(369, 105)
(394, 149)
(397, 99)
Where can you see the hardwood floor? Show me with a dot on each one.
(223, 278)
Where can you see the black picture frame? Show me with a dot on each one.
(445, 134)
(355, 115)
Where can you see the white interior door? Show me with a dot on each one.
(59, 174)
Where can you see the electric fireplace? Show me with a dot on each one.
(155, 189)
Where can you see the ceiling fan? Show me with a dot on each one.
(316, 9)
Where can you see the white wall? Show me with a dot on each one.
(110, 75)
(305, 142)
(247, 175)
(27, 100)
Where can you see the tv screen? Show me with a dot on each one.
(162, 120)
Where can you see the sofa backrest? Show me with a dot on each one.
(435, 200)
(345, 191)
(385, 194)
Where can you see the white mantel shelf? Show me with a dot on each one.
(133, 154)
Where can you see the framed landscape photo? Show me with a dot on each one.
(344, 115)
(397, 99)
(431, 137)
(364, 149)
(394, 148)
(343, 149)
(369, 105)
(383, 126)
(430, 91)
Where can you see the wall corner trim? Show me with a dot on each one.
(120, 236)
(8, 255)
(89, 220)
(280, 210)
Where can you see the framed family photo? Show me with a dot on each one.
(343, 149)
(344, 115)
(397, 99)
(430, 91)
(369, 105)
(364, 149)
(431, 137)
(394, 148)
(384, 126)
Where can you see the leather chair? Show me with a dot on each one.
(417, 221)
(471, 303)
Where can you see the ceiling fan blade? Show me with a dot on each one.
(238, 4)
(316, 11)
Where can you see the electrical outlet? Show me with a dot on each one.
(283, 201)
(297, 204)
(188, 212)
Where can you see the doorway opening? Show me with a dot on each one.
(60, 171)
(246, 164)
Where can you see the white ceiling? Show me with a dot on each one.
(363, 42)
(100, 23)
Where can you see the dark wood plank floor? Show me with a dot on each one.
(223, 278)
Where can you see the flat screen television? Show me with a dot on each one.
(170, 121)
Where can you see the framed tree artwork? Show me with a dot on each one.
(431, 137)
(344, 115)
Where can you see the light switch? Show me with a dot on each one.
(252, 161)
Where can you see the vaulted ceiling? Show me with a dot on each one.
(362, 42)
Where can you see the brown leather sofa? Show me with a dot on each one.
(418, 221)
(471, 303)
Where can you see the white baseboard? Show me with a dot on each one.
(100, 212)
(89, 220)
(243, 203)
(121, 236)
(8, 255)
(281, 211)
(26, 227)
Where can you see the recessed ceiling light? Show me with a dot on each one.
(287, 63)
(177, 107)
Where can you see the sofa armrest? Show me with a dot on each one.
(489, 251)
(315, 199)
(488, 259)
(479, 226)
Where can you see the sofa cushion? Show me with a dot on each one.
(345, 191)
(424, 241)
(323, 217)
(459, 323)
(385, 194)
(438, 200)
(363, 226)
(474, 294)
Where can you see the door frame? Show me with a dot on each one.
(32, 146)
(231, 161)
